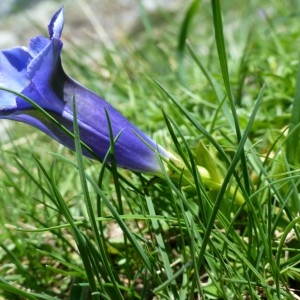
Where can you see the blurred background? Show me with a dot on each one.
(20, 19)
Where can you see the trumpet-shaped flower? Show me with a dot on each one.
(36, 72)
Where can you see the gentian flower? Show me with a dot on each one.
(36, 72)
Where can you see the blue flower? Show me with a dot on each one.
(36, 72)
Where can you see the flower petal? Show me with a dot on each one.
(37, 45)
(38, 74)
(132, 147)
(57, 24)
(13, 74)
(41, 73)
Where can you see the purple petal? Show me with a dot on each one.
(13, 74)
(131, 150)
(41, 72)
(37, 45)
(57, 24)
(38, 74)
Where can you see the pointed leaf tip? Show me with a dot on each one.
(57, 23)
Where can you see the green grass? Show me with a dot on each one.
(221, 90)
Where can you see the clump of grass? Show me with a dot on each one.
(76, 229)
